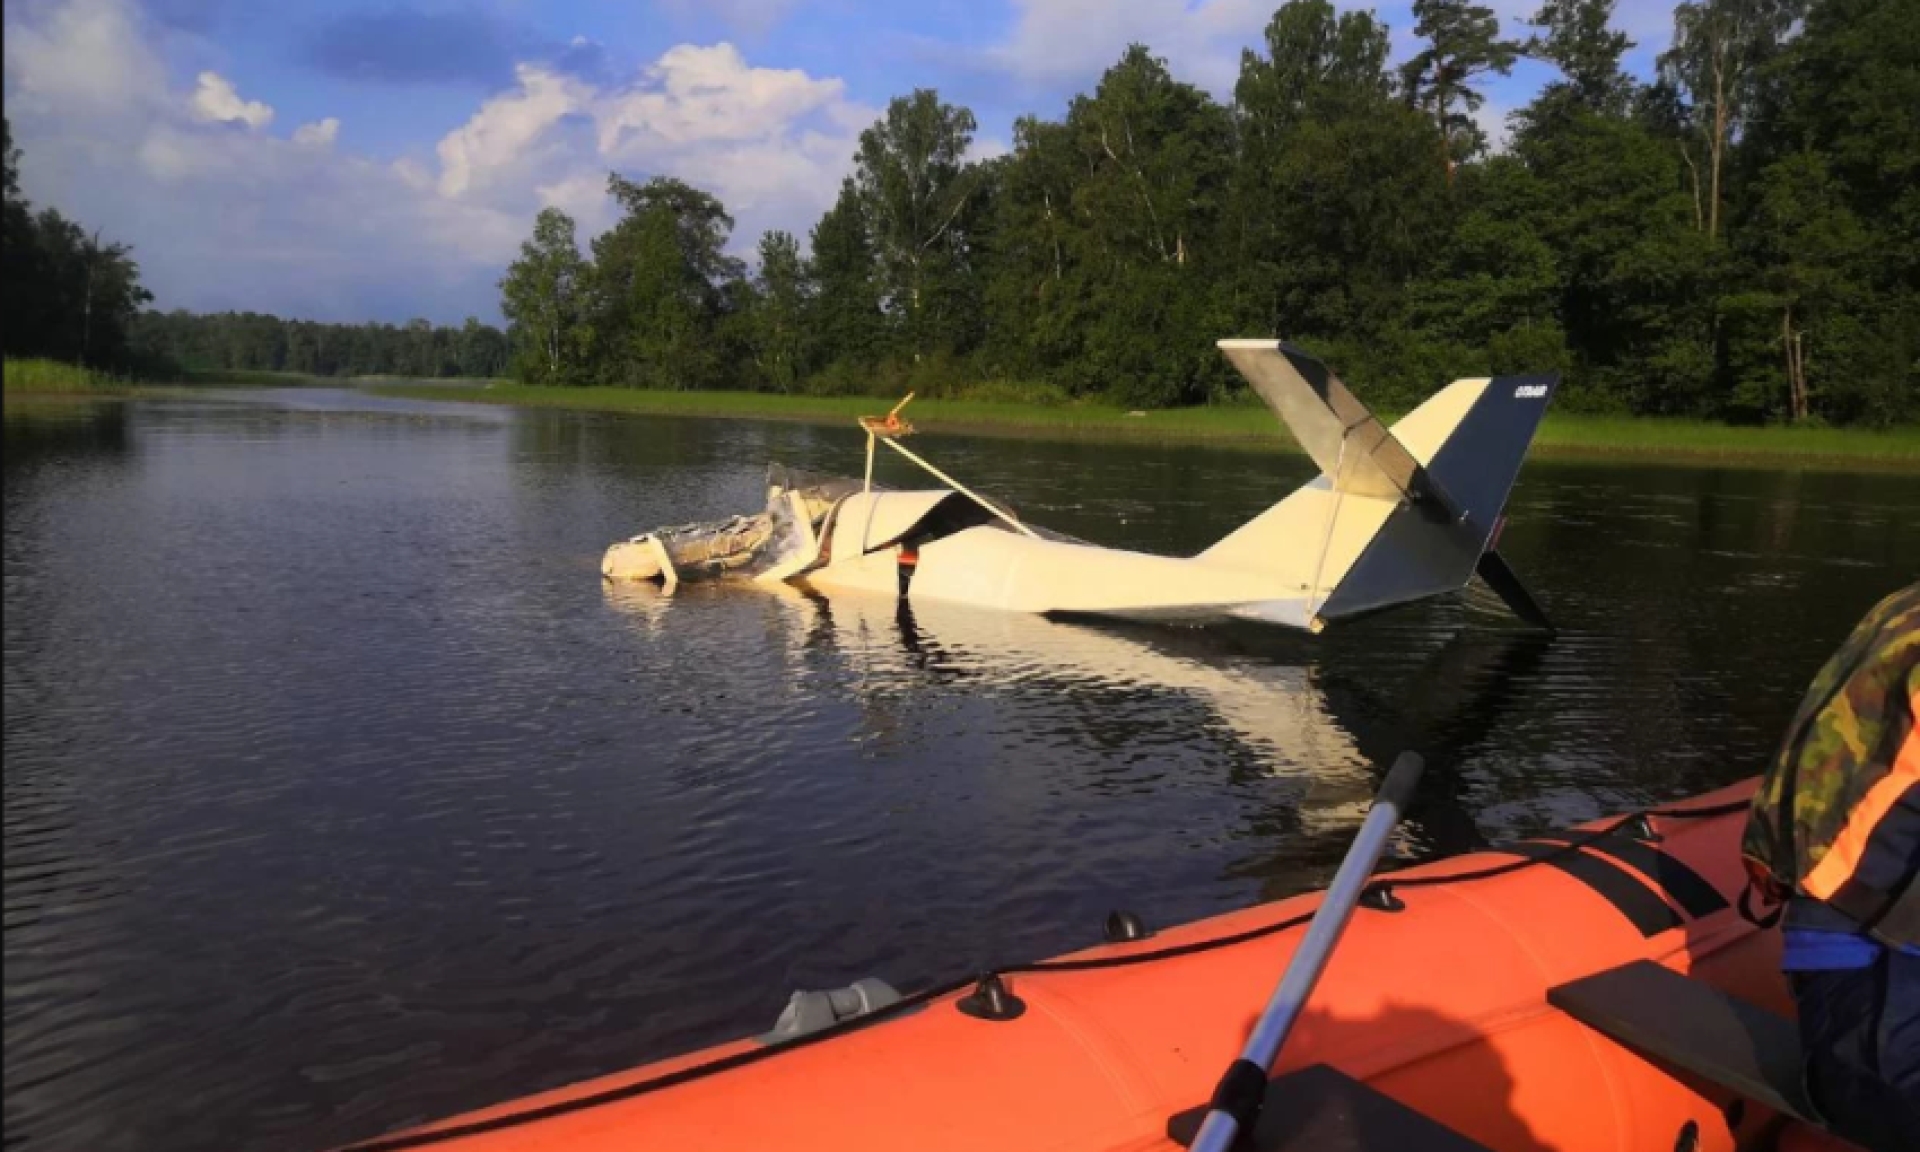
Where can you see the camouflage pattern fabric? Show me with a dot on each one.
(1842, 742)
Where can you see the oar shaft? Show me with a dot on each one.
(1310, 958)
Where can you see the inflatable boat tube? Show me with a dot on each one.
(1436, 998)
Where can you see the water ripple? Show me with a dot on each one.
(340, 794)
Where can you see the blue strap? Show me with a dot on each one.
(1816, 950)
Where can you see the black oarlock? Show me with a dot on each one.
(1124, 926)
(991, 999)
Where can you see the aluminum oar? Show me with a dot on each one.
(1236, 1101)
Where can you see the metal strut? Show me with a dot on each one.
(886, 430)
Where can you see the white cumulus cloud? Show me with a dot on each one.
(85, 56)
(215, 99)
(696, 95)
(772, 143)
(301, 226)
(319, 134)
(499, 136)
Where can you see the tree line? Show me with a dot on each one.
(66, 293)
(250, 341)
(1738, 238)
(69, 295)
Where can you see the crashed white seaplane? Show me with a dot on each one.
(1394, 516)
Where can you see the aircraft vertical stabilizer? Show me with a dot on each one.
(1411, 511)
(1427, 548)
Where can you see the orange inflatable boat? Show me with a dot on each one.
(1442, 1007)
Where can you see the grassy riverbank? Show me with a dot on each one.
(57, 378)
(51, 377)
(1248, 425)
(249, 378)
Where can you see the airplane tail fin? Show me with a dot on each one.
(1431, 490)
(1353, 449)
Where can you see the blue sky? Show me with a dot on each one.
(383, 160)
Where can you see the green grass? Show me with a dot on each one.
(249, 378)
(52, 377)
(386, 381)
(1648, 436)
(957, 415)
(1563, 435)
(262, 378)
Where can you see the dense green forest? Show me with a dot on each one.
(70, 296)
(249, 341)
(66, 294)
(1738, 238)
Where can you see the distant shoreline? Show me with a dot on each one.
(1564, 436)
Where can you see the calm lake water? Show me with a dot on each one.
(340, 794)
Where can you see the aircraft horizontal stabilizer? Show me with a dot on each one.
(1355, 451)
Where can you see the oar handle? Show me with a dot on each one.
(1238, 1097)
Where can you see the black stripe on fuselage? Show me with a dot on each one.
(1632, 899)
(1682, 884)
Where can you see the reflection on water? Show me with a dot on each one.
(41, 427)
(340, 792)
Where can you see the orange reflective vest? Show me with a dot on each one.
(1837, 817)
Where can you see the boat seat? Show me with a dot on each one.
(1322, 1109)
(1694, 1027)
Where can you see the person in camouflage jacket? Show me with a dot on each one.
(1834, 836)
